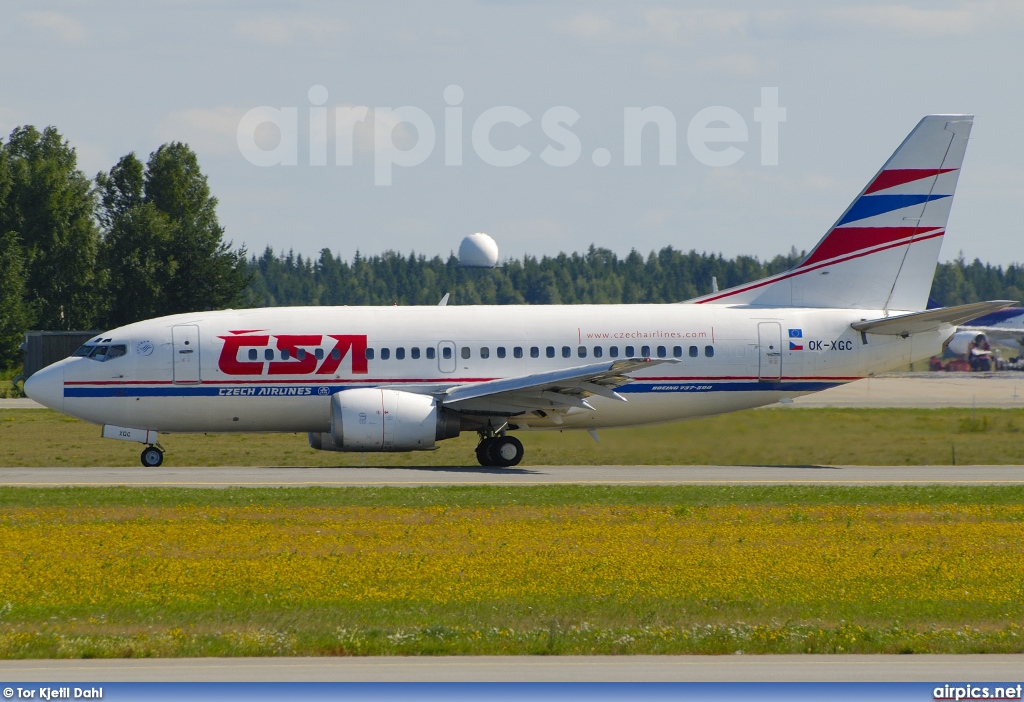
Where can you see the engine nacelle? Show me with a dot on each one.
(376, 419)
(960, 341)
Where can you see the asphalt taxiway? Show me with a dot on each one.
(223, 477)
(792, 668)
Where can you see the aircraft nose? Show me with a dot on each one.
(46, 386)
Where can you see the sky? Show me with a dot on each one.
(545, 88)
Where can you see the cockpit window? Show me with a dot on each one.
(107, 353)
(84, 350)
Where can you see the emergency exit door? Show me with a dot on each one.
(769, 343)
(446, 361)
(185, 345)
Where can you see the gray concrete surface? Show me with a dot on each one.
(807, 668)
(924, 390)
(533, 475)
(19, 403)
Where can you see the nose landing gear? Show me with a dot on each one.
(152, 456)
(499, 451)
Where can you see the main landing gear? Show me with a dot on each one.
(499, 451)
(152, 456)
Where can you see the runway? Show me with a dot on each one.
(795, 668)
(533, 475)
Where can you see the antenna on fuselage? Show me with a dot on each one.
(444, 300)
(714, 284)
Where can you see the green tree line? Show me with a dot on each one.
(597, 276)
(143, 240)
(139, 241)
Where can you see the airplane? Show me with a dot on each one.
(368, 379)
(1003, 327)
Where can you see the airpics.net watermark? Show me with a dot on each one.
(712, 134)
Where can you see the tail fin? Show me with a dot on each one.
(881, 254)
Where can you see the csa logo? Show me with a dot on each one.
(144, 348)
(323, 391)
(247, 352)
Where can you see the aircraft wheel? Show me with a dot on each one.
(152, 457)
(506, 451)
(483, 452)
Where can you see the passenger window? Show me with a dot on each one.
(534, 352)
(369, 354)
(301, 355)
(630, 352)
(121, 350)
(336, 354)
(446, 352)
(517, 352)
(598, 352)
(662, 352)
(431, 352)
(269, 354)
(253, 354)
(414, 352)
(400, 353)
(581, 352)
(549, 352)
(677, 351)
(613, 351)
(319, 353)
(501, 352)
(485, 352)
(709, 351)
(645, 351)
(466, 353)
(385, 353)
(566, 352)
(693, 352)
(285, 355)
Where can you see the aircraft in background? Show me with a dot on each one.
(404, 378)
(1002, 327)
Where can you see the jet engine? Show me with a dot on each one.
(959, 343)
(377, 419)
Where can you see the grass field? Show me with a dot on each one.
(758, 437)
(477, 570)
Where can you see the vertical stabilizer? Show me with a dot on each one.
(882, 252)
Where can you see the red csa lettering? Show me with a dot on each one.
(229, 362)
(291, 344)
(354, 343)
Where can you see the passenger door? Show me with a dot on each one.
(185, 345)
(769, 344)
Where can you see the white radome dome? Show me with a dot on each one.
(478, 251)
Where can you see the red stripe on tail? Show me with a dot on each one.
(899, 176)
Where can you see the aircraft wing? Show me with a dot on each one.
(918, 322)
(554, 391)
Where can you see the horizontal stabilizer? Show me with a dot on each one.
(918, 322)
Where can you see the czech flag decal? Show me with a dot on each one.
(795, 347)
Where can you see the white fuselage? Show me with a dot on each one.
(276, 369)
